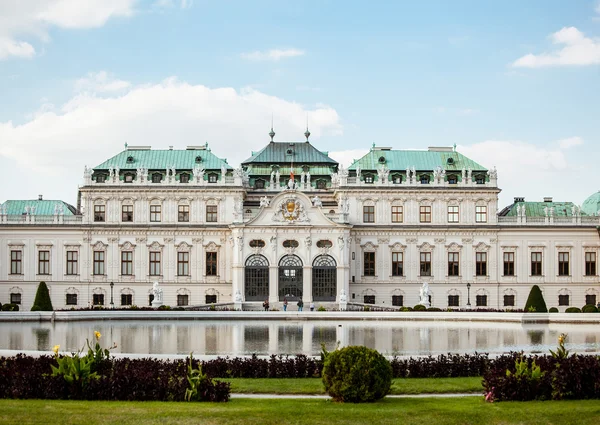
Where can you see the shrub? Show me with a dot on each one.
(10, 307)
(36, 307)
(434, 309)
(406, 309)
(535, 301)
(357, 374)
(321, 308)
(419, 307)
(589, 308)
(573, 310)
(42, 298)
(202, 388)
(553, 310)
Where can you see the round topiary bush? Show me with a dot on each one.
(406, 309)
(419, 307)
(434, 309)
(356, 374)
(573, 310)
(589, 308)
(553, 310)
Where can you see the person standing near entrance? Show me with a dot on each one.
(285, 303)
(300, 304)
(266, 305)
(312, 306)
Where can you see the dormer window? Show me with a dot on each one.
(321, 184)
(452, 179)
(259, 184)
(128, 178)
(480, 179)
(424, 179)
(397, 178)
(212, 178)
(100, 178)
(369, 178)
(184, 178)
(450, 161)
(156, 178)
(130, 159)
(198, 159)
(382, 160)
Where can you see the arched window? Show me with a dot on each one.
(256, 278)
(424, 179)
(324, 278)
(156, 177)
(290, 278)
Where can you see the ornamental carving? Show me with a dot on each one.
(183, 247)
(99, 246)
(127, 246)
(155, 246)
(290, 210)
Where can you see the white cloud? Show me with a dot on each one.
(272, 55)
(528, 170)
(55, 144)
(33, 18)
(570, 142)
(184, 4)
(346, 158)
(577, 50)
(100, 82)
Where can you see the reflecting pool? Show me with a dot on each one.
(239, 338)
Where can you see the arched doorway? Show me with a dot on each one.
(256, 278)
(324, 278)
(290, 278)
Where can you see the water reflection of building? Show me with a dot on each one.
(289, 222)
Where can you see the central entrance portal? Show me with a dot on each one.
(290, 278)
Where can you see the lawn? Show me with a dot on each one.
(315, 385)
(428, 411)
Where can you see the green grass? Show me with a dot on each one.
(315, 385)
(427, 411)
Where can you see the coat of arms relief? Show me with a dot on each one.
(290, 210)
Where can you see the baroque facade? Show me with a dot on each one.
(291, 223)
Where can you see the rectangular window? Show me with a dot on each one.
(563, 264)
(369, 266)
(397, 264)
(397, 300)
(154, 264)
(536, 264)
(590, 264)
(453, 300)
(126, 299)
(425, 214)
(99, 213)
(71, 299)
(183, 264)
(127, 213)
(509, 263)
(397, 214)
(184, 178)
(72, 266)
(183, 215)
(368, 214)
(211, 264)
(425, 263)
(98, 262)
(210, 299)
(15, 298)
(212, 178)
(481, 214)
(98, 299)
(481, 300)
(183, 300)
(211, 213)
(563, 300)
(453, 269)
(453, 214)
(126, 263)
(509, 301)
(43, 262)
(16, 262)
(590, 299)
(369, 299)
(155, 213)
(481, 264)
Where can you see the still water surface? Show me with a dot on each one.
(238, 338)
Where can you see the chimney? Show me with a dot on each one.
(170, 148)
(39, 197)
(548, 199)
(519, 199)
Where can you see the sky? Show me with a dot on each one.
(514, 84)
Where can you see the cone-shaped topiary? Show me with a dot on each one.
(42, 298)
(356, 374)
(535, 301)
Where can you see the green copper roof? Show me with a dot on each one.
(44, 207)
(161, 159)
(537, 209)
(279, 153)
(284, 169)
(591, 206)
(421, 160)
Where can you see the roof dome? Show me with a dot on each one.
(591, 205)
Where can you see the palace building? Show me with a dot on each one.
(291, 223)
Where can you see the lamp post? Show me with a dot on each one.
(112, 304)
(468, 294)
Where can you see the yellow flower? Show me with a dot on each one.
(561, 339)
(97, 334)
(55, 349)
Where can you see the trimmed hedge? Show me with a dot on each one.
(573, 310)
(42, 300)
(419, 307)
(535, 301)
(589, 308)
(10, 307)
(553, 310)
